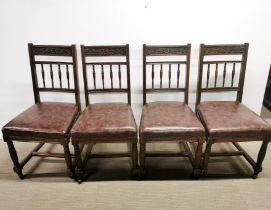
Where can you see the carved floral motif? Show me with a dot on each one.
(105, 51)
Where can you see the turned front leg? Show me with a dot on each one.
(79, 171)
(134, 156)
(142, 155)
(68, 157)
(17, 168)
(258, 166)
(207, 157)
(198, 158)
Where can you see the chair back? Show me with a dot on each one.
(165, 68)
(54, 75)
(219, 75)
(106, 68)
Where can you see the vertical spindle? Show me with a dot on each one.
(178, 76)
(216, 73)
(59, 75)
(161, 75)
(224, 73)
(169, 75)
(68, 75)
(119, 68)
(111, 75)
(232, 74)
(52, 75)
(208, 75)
(102, 75)
(152, 75)
(94, 75)
(43, 75)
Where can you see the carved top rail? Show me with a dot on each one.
(97, 71)
(163, 50)
(51, 50)
(168, 72)
(230, 49)
(116, 50)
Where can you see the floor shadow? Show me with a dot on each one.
(175, 168)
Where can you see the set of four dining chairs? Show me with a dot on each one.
(161, 121)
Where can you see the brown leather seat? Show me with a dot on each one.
(226, 119)
(105, 121)
(169, 120)
(43, 120)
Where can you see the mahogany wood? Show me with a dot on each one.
(238, 50)
(166, 50)
(105, 51)
(174, 50)
(212, 50)
(47, 50)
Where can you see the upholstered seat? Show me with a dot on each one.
(105, 121)
(226, 119)
(170, 119)
(43, 120)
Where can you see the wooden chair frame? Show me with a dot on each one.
(266, 94)
(47, 50)
(169, 50)
(231, 49)
(105, 51)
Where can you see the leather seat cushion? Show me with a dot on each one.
(169, 120)
(232, 119)
(105, 121)
(43, 120)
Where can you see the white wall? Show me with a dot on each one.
(133, 22)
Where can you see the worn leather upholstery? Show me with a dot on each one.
(43, 120)
(232, 119)
(169, 120)
(105, 121)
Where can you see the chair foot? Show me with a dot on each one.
(141, 174)
(204, 172)
(142, 156)
(254, 176)
(135, 173)
(71, 174)
(79, 175)
(81, 178)
(258, 166)
(17, 168)
(18, 171)
(196, 174)
(257, 170)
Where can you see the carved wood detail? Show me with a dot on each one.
(157, 50)
(105, 51)
(52, 51)
(224, 50)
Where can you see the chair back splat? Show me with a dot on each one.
(60, 70)
(101, 69)
(166, 69)
(210, 64)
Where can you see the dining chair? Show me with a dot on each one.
(109, 122)
(47, 122)
(222, 69)
(169, 121)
